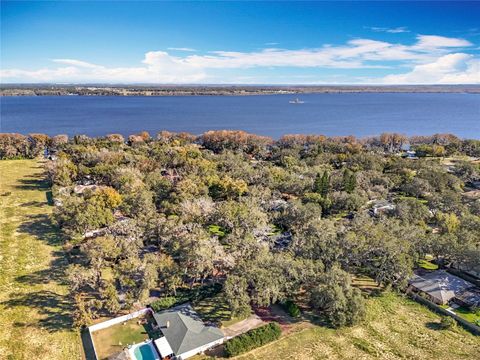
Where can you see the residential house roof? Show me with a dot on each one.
(470, 297)
(440, 285)
(184, 330)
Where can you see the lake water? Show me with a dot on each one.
(358, 114)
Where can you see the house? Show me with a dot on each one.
(410, 155)
(380, 207)
(50, 154)
(439, 286)
(469, 298)
(184, 333)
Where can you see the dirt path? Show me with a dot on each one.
(35, 311)
(240, 327)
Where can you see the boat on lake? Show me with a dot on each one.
(296, 101)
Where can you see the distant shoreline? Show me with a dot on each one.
(218, 90)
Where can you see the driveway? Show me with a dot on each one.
(243, 326)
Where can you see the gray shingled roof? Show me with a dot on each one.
(185, 330)
(440, 285)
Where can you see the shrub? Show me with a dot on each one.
(447, 323)
(252, 339)
(164, 303)
(291, 308)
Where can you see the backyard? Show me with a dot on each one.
(34, 305)
(115, 338)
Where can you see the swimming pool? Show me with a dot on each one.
(144, 351)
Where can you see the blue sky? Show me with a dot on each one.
(241, 42)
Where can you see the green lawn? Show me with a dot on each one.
(468, 315)
(215, 309)
(35, 309)
(395, 328)
(216, 230)
(115, 338)
(427, 265)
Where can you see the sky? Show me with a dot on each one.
(240, 42)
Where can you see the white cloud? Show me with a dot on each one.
(458, 68)
(434, 41)
(160, 67)
(73, 62)
(397, 30)
(431, 59)
(181, 49)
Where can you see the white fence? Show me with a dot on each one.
(114, 321)
(119, 320)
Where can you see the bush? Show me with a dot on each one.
(447, 323)
(252, 339)
(164, 303)
(291, 308)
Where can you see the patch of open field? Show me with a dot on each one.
(395, 328)
(35, 310)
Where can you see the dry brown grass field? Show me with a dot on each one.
(395, 328)
(35, 310)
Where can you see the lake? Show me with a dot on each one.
(359, 114)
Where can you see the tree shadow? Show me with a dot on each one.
(40, 184)
(56, 308)
(316, 319)
(215, 311)
(275, 313)
(87, 343)
(433, 325)
(56, 272)
(42, 227)
(217, 352)
(33, 204)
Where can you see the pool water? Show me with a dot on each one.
(145, 352)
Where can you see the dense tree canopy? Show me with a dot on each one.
(266, 219)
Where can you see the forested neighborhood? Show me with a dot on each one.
(169, 219)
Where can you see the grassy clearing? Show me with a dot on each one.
(115, 338)
(35, 309)
(395, 328)
(216, 310)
